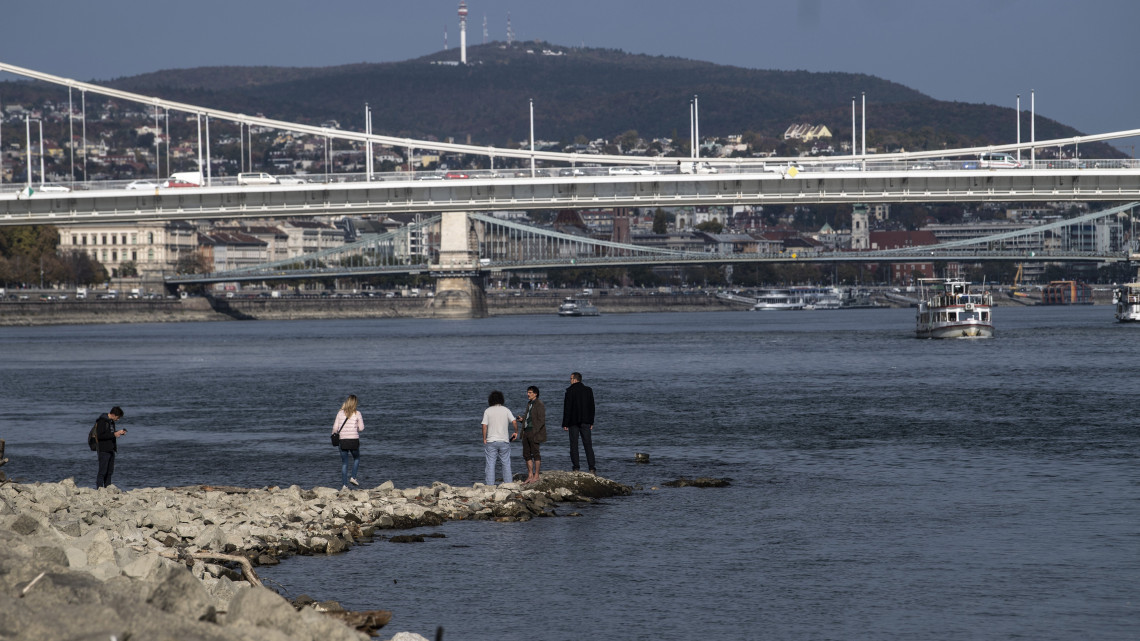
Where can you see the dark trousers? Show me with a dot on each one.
(106, 469)
(531, 446)
(587, 442)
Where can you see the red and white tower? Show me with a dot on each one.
(462, 32)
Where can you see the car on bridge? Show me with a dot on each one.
(695, 167)
(256, 178)
(291, 180)
(142, 185)
(998, 161)
(50, 188)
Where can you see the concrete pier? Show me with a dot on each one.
(460, 297)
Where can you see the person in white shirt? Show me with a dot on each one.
(497, 438)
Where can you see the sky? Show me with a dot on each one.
(1079, 58)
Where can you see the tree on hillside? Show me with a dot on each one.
(710, 227)
(628, 140)
(660, 221)
(193, 263)
(81, 269)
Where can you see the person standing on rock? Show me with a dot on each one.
(107, 436)
(496, 443)
(349, 424)
(534, 432)
(578, 419)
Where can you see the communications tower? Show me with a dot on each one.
(462, 32)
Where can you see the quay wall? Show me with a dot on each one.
(93, 312)
(499, 303)
(26, 313)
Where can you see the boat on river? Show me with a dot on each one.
(951, 308)
(1126, 298)
(778, 300)
(577, 307)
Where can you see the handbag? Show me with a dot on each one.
(336, 434)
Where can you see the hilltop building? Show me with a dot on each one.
(806, 132)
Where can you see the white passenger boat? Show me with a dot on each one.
(577, 307)
(1126, 298)
(949, 308)
(778, 300)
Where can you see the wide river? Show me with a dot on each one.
(883, 487)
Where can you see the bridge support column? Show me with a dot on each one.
(458, 286)
(459, 297)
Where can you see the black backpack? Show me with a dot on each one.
(92, 441)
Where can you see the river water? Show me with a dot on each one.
(883, 487)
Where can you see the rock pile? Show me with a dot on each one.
(176, 563)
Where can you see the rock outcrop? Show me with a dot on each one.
(79, 563)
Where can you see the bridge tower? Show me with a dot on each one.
(860, 231)
(458, 286)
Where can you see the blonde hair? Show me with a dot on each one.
(349, 406)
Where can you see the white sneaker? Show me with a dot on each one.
(353, 481)
(343, 488)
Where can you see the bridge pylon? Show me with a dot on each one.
(458, 286)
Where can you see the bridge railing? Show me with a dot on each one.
(662, 166)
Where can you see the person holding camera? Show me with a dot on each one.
(107, 436)
(496, 437)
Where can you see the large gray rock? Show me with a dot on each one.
(182, 594)
(263, 609)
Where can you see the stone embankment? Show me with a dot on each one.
(177, 563)
(90, 312)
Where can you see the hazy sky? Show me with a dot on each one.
(1080, 57)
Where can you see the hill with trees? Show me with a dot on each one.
(588, 93)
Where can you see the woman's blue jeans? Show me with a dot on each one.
(344, 475)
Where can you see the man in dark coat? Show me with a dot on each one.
(107, 435)
(578, 419)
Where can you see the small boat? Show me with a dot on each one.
(1126, 298)
(778, 300)
(577, 307)
(949, 308)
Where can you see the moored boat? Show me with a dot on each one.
(1126, 298)
(950, 308)
(778, 300)
(577, 307)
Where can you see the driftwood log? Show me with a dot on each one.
(246, 566)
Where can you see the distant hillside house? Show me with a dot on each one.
(807, 132)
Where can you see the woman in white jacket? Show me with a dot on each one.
(349, 424)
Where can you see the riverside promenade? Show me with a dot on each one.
(178, 563)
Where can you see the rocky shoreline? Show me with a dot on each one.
(178, 563)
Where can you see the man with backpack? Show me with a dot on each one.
(106, 437)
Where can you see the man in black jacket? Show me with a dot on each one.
(107, 436)
(578, 419)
